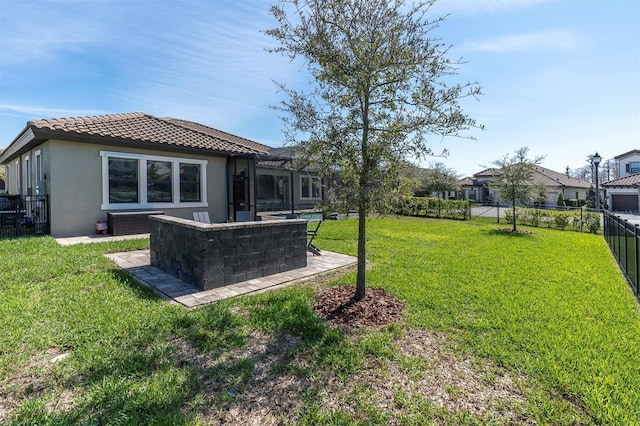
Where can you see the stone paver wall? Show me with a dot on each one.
(215, 255)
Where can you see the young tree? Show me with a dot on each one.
(514, 179)
(381, 87)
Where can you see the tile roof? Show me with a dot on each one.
(140, 127)
(466, 181)
(631, 181)
(552, 178)
(542, 175)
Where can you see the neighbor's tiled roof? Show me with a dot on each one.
(631, 181)
(490, 172)
(466, 181)
(542, 175)
(140, 127)
(551, 178)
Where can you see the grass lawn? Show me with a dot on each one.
(497, 328)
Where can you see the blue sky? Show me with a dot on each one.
(559, 76)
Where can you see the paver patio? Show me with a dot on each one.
(137, 263)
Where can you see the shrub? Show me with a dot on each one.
(434, 207)
(560, 201)
(562, 220)
(592, 222)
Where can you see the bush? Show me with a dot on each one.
(562, 220)
(560, 201)
(434, 207)
(592, 222)
(580, 221)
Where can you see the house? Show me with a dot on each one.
(628, 163)
(623, 194)
(478, 187)
(90, 167)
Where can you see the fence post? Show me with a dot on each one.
(618, 240)
(581, 219)
(626, 249)
(498, 211)
(637, 238)
(18, 214)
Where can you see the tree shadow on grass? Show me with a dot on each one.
(139, 290)
(255, 359)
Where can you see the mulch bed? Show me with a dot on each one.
(517, 231)
(377, 308)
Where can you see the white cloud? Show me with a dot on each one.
(39, 111)
(543, 40)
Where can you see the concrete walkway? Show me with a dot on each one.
(97, 238)
(167, 286)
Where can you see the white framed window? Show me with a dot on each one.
(310, 188)
(134, 181)
(27, 173)
(16, 178)
(633, 167)
(37, 158)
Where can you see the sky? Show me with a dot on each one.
(561, 77)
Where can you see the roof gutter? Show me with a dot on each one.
(18, 145)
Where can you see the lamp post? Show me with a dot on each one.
(596, 161)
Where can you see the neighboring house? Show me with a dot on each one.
(628, 163)
(478, 187)
(89, 166)
(623, 193)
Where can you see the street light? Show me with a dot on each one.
(596, 161)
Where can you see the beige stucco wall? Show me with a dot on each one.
(74, 180)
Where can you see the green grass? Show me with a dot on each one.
(550, 309)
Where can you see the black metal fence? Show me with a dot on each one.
(623, 238)
(24, 215)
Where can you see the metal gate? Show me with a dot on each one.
(24, 215)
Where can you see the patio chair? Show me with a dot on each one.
(202, 217)
(311, 235)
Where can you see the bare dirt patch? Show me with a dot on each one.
(445, 380)
(423, 370)
(32, 381)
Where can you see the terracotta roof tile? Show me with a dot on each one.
(551, 178)
(631, 181)
(147, 128)
(546, 176)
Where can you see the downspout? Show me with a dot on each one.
(292, 197)
(255, 189)
(226, 192)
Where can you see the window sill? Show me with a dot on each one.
(138, 206)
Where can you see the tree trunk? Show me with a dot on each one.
(513, 205)
(363, 203)
(362, 258)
